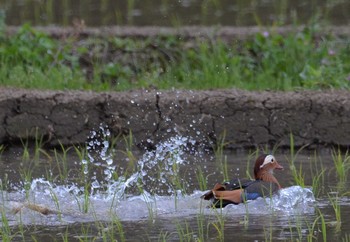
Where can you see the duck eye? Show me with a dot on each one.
(272, 160)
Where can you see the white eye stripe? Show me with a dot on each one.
(268, 159)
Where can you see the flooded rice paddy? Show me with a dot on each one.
(106, 194)
(175, 13)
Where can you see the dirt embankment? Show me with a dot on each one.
(248, 119)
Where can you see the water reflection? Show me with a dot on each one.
(174, 13)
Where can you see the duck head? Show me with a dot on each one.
(264, 166)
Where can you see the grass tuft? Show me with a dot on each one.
(304, 59)
(342, 167)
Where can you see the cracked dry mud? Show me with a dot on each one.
(248, 119)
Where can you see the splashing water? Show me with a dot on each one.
(159, 185)
(158, 170)
(291, 200)
(99, 155)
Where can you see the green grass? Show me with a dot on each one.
(218, 224)
(342, 166)
(334, 201)
(297, 173)
(304, 59)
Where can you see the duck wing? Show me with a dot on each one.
(238, 183)
(239, 190)
(259, 188)
(234, 184)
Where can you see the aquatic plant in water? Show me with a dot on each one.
(147, 191)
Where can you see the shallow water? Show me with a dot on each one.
(175, 13)
(157, 210)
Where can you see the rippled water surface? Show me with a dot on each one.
(174, 13)
(147, 204)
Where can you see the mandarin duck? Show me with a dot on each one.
(239, 190)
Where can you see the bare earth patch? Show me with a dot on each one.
(249, 119)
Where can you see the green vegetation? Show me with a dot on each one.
(304, 59)
(342, 167)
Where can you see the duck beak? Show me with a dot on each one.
(278, 166)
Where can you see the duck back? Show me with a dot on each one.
(248, 190)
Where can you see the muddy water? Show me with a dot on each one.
(170, 13)
(160, 211)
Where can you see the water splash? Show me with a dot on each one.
(291, 200)
(158, 181)
(99, 154)
(294, 198)
(158, 170)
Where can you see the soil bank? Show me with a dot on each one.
(247, 119)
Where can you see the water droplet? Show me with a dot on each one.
(108, 174)
(95, 184)
(86, 170)
(109, 162)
